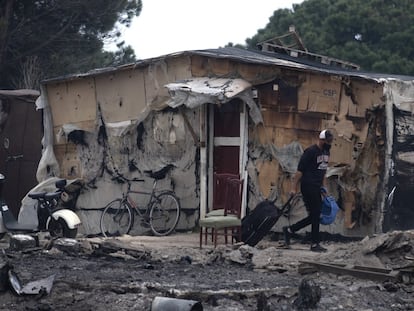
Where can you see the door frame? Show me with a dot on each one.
(208, 141)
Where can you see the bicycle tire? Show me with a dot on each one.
(116, 219)
(164, 214)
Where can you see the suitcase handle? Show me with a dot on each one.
(288, 203)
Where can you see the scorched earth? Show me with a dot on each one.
(130, 273)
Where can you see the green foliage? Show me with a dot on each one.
(60, 37)
(376, 34)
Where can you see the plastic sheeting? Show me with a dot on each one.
(198, 91)
(288, 156)
(48, 165)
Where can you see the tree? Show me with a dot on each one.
(376, 34)
(48, 38)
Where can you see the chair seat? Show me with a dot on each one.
(224, 219)
(218, 222)
(216, 212)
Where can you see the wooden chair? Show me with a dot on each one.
(230, 222)
(220, 192)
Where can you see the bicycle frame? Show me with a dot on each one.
(134, 205)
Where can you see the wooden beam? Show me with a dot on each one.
(363, 272)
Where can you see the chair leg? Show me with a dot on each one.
(201, 237)
(234, 233)
(205, 236)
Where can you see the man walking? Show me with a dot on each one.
(311, 175)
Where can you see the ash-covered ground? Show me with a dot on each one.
(128, 273)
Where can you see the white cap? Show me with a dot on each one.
(325, 134)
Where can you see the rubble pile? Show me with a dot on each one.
(133, 273)
(392, 250)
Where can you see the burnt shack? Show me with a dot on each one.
(239, 111)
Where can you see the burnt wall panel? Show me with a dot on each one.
(220, 67)
(357, 157)
(280, 95)
(160, 73)
(267, 176)
(67, 156)
(121, 95)
(179, 68)
(364, 95)
(72, 101)
(319, 94)
(199, 66)
(400, 212)
(290, 120)
(256, 74)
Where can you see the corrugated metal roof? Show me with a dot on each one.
(246, 56)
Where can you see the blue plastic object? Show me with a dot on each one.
(329, 210)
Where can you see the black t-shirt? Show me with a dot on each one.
(313, 165)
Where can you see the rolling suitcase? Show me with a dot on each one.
(257, 224)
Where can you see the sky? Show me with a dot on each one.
(168, 26)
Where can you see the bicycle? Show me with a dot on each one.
(161, 213)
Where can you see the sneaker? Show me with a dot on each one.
(317, 248)
(286, 235)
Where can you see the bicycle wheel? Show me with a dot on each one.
(116, 218)
(164, 213)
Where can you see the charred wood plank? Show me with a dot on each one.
(363, 272)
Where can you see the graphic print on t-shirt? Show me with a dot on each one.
(322, 161)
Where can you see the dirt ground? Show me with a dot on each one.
(128, 273)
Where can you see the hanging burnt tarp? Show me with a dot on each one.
(198, 91)
(398, 211)
(404, 148)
